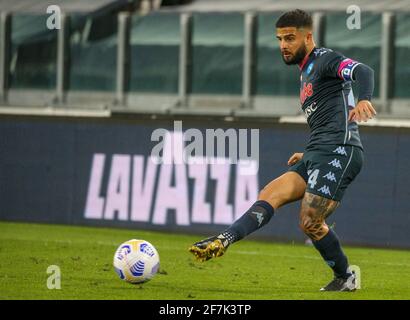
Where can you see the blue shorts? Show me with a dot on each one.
(329, 169)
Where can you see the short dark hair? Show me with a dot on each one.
(295, 18)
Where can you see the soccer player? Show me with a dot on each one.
(332, 158)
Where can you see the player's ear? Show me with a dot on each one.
(308, 36)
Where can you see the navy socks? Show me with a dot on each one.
(261, 212)
(256, 217)
(331, 251)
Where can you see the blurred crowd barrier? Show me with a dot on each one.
(176, 60)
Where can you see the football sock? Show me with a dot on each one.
(256, 217)
(331, 251)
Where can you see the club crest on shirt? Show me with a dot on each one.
(309, 68)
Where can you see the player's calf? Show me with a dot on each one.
(315, 209)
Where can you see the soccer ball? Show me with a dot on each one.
(136, 261)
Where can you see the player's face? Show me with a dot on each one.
(292, 44)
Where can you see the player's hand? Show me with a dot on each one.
(295, 158)
(362, 112)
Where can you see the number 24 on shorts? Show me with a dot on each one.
(313, 178)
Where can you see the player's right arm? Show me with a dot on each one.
(295, 158)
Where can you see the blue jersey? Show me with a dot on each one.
(326, 97)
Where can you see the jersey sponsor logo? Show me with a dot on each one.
(310, 109)
(336, 163)
(306, 91)
(345, 70)
(330, 176)
(340, 150)
(325, 190)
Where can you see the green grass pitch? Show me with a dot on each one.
(249, 270)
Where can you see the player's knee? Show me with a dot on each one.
(265, 195)
(284, 189)
(305, 223)
(314, 227)
(275, 198)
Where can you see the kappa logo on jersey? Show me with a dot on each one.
(330, 176)
(325, 190)
(340, 150)
(305, 92)
(321, 51)
(259, 217)
(336, 163)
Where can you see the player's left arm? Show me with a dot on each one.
(364, 76)
(336, 65)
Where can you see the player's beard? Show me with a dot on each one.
(298, 57)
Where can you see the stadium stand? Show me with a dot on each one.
(201, 57)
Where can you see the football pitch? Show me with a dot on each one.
(249, 270)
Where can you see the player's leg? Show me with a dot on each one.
(331, 172)
(287, 188)
(314, 210)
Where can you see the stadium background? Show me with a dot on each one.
(117, 70)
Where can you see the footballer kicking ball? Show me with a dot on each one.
(136, 261)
